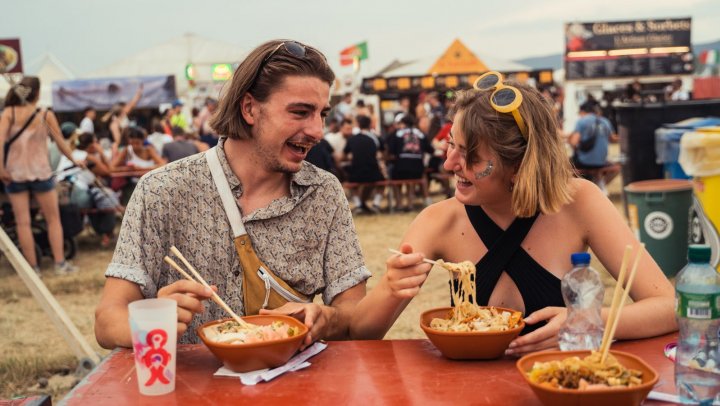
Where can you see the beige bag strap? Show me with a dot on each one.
(223, 187)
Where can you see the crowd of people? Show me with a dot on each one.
(92, 165)
(358, 150)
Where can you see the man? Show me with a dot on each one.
(590, 141)
(177, 118)
(87, 124)
(296, 215)
(179, 148)
(364, 149)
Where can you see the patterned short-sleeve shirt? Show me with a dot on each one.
(308, 238)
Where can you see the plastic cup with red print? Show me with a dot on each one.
(153, 324)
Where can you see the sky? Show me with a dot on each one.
(89, 34)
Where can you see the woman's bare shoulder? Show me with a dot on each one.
(434, 222)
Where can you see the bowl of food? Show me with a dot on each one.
(471, 332)
(267, 341)
(564, 378)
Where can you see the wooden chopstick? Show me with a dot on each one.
(626, 292)
(616, 296)
(215, 296)
(429, 261)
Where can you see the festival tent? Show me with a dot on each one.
(172, 58)
(456, 59)
(455, 68)
(49, 69)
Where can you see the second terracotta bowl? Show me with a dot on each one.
(468, 344)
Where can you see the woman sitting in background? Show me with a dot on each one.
(515, 192)
(137, 156)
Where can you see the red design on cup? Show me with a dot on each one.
(156, 357)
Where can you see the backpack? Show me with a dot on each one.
(588, 144)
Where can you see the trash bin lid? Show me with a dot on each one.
(659, 185)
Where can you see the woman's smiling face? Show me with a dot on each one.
(485, 180)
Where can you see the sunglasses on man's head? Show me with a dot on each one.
(505, 98)
(293, 48)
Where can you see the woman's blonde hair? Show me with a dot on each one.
(543, 168)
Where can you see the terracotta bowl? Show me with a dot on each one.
(253, 356)
(589, 397)
(468, 344)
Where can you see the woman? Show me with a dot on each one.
(26, 168)
(515, 172)
(118, 119)
(138, 156)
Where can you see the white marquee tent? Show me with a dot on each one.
(171, 58)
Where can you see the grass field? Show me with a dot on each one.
(35, 359)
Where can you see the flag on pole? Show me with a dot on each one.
(353, 54)
(709, 57)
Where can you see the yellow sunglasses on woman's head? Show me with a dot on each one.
(505, 99)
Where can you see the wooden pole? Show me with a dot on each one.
(47, 301)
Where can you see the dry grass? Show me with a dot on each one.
(36, 359)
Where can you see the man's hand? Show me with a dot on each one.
(317, 318)
(189, 296)
(545, 337)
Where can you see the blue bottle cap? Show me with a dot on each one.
(579, 258)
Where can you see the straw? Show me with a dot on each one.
(215, 296)
(628, 286)
(429, 261)
(616, 296)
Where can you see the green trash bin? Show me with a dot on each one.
(659, 213)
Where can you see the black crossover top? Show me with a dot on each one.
(538, 287)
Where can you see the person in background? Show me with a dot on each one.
(138, 154)
(202, 123)
(337, 141)
(177, 118)
(180, 147)
(25, 170)
(515, 189)
(158, 138)
(675, 91)
(87, 124)
(344, 108)
(363, 150)
(118, 119)
(590, 126)
(408, 148)
(88, 190)
(321, 155)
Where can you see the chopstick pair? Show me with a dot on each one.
(429, 261)
(618, 300)
(200, 280)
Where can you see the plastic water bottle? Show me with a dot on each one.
(697, 294)
(583, 293)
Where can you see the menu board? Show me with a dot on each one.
(628, 48)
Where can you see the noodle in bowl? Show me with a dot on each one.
(457, 341)
(624, 379)
(271, 344)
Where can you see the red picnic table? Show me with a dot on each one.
(393, 372)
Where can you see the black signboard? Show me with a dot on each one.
(628, 48)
